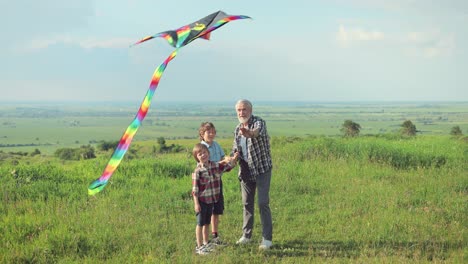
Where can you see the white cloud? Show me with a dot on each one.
(346, 36)
(115, 43)
(422, 28)
(426, 44)
(26, 17)
(85, 43)
(429, 7)
(431, 44)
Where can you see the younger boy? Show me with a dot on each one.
(206, 191)
(207, 133)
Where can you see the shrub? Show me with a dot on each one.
(456, 131)
(83, 152)
(35, 152)
(167, 149)
(408, 128)
(106, 145)
(350, 128)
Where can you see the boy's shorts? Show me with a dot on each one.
(204, 216)
(218, 207)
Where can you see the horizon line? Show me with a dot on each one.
(229, 101)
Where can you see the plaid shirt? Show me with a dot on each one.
(206, 181)
(259, 156)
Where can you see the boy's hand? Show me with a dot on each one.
(226, 160)
(197, 208)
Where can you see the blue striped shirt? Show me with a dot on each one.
(216, 152)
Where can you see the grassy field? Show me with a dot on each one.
(377, 198)
(334, 200)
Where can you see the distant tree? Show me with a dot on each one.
(64, 153)
(350, 128)
(408, 128)
(35, 152)
(86, 152)
(162, 145)
(163, 148)
(456, 131)
(106, 145)
(162, 142)
(83, 152)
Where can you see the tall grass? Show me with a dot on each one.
(402, 153)
(331, 202)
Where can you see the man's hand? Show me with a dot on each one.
(232, 160)
(236, 156)
(244, 132)
(248, 133)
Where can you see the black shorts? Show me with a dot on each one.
(218, 207)
(204, 216)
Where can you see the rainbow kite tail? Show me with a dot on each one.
(131, 130)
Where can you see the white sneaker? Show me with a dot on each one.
(202, 250)
(209, 247)
(243, 240)
(266, 244)
(217, 242)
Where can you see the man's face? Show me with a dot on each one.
(243, 113)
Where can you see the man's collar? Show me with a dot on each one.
(251, 119)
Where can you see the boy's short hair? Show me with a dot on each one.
(197, 148)
(205, 126)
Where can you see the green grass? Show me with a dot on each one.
(331, 202)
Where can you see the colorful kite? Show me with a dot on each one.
(177, 38)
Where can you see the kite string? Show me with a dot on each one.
(131, 130)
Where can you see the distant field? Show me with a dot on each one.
(25, 127)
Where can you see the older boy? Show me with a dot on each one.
(207, 133)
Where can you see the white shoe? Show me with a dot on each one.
(243, 240)
(217, 242)
(266, 244)
(202, 250)
(209, 247)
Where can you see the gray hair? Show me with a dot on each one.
(245, 102)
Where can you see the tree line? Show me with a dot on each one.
(350, 128)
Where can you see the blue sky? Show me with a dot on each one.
(296, 50)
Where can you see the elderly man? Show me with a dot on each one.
(251, 140)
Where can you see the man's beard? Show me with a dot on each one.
(243, 120)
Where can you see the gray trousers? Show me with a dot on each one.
(248, 199)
